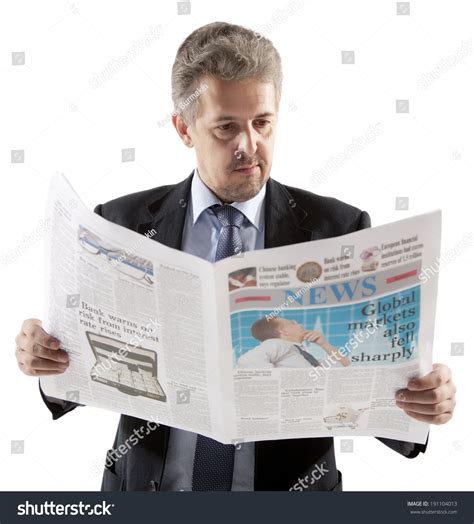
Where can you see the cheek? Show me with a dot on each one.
(265, 150)
(214, 153)
(221, 151)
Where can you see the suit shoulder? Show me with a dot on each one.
(307, 199)
(329, 213)
(131, 209)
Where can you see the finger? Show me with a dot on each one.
(439, 376)
(431, 396)
(42, 364)
(32, 348)
(431, 419)
(313, 337)
(28, 361)
(32, 329)
(37, 350)
(39, 372)
(428, 409)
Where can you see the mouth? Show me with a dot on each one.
(250, 170)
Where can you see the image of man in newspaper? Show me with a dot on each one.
(282, 346)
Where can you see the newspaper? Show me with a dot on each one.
(307, 340)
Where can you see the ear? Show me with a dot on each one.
(280, 330)
(182, 129)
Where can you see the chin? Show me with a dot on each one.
(243, 194)
(247, 189)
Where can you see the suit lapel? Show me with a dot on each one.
(167, 215)
(284, 218)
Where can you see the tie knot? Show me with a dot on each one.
(228, 215)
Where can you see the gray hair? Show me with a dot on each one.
(225, 51)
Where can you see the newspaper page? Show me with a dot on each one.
(306, 340)
(137, 319)
(324, 333)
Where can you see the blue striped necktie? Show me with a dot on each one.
(230, 241)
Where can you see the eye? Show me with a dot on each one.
(261, 123)
(225, 127)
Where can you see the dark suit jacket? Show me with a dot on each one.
(291, 216)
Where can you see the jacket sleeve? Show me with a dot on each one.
(57, 406)
(407, 449)
(364, 221)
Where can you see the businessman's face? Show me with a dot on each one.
(233, 116)
(291, 330)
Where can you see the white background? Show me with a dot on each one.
(51, 108)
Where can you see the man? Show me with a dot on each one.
(282, 346)
(232, 76)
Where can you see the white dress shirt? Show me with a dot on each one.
(274, 353)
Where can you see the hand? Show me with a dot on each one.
(430, 398)
(314, 336)
(37, 352)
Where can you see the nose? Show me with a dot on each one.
(247, 141)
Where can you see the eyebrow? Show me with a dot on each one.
(231, 117)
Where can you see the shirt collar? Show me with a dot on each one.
(289, 343)
(202, 197)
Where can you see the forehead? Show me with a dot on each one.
(244, 99)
